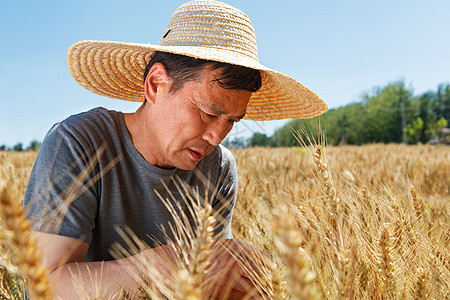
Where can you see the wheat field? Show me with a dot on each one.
(348, 222)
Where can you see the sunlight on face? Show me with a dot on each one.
(187, 125)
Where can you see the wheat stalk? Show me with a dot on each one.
(18, 233)
(299, 276)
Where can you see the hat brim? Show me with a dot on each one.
(115, 70)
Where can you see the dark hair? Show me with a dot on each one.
(181, 69)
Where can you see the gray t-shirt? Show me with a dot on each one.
(89, 178)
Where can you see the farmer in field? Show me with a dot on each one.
(104, 171)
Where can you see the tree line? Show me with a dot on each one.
(33, 146)
(389, 114)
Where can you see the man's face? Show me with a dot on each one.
(188, 124)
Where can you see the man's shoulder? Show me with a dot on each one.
(93, 127)
(95, 115)
(94, 120)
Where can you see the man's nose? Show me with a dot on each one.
(217, 131)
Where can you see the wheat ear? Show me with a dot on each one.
(330, 194)
(421, 285)
(300, 277)
(190, 280)
(418, 204)
(386, 262)
(27, 256)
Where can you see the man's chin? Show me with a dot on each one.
(188, 167)
(187, 164)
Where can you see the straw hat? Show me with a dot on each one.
(204, 29)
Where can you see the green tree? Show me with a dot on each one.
(237, 142)
(425, 111)
(377, 118)
(18, 147)
(34, 145)
(442, 103)
(283, 137)
(384, 108)
(414, 130)
(259, 139)
(433, 128)
(350, 126)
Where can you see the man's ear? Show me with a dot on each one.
(157, 78)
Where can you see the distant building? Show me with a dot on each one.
(444, 135)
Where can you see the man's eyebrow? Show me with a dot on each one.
(219, 110)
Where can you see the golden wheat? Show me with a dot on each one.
(17, 230)
(379, 228)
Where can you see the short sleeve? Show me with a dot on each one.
(61, 193)
(225, 199)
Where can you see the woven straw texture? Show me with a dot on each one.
(209, 30)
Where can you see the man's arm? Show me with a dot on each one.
(72, 278)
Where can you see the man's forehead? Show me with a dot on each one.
(218, 109)
(219, 103)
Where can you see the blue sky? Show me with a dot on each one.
(338, 49)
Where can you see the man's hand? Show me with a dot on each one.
(238, 271)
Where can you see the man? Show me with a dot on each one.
(102, 171)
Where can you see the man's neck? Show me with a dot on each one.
(134, 123)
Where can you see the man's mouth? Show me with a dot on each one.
(196, 155)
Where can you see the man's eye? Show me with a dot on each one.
(209, 116)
